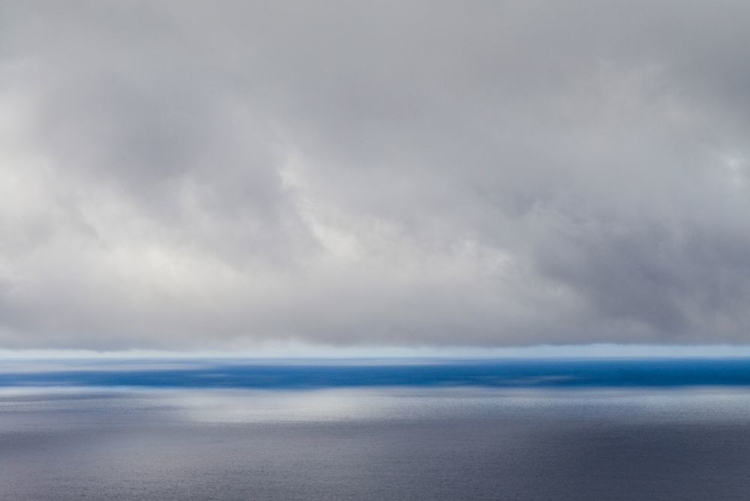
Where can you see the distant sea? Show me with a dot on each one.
(374, 430)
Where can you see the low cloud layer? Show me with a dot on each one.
(182, 175)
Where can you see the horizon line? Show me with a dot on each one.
(294, 350)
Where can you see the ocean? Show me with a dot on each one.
(374, 430)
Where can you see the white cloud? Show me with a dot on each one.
(174, 176)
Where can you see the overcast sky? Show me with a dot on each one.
(206, 175)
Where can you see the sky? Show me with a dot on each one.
(185, 175)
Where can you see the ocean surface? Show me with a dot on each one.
(374, 430)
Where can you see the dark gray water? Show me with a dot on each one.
(374, 444)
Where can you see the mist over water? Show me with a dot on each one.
(459, 441)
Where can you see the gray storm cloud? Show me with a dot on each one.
(193, 174)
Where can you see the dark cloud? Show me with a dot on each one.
(179, 175)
